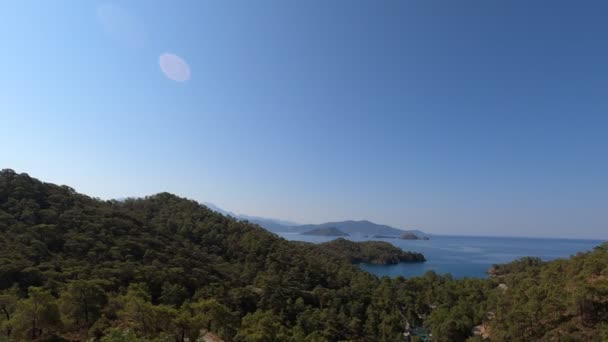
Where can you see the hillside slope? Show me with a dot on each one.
(372, 252)
(551, 300)
(165, 265)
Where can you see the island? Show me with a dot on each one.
(412, 236)
(329, 231)
(369, 252)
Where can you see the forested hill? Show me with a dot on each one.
(166, 266)
(329, 231)
(372, 252)
(350, 227)
(561, 300)
(162, 268)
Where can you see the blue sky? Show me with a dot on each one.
(454, 117)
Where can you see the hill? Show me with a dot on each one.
(371, 252)
(412, 236)
(164, 268)
(329, 231)
(350, 227)
(270, 224)
(564, 299)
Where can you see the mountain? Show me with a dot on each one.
(329, 231)
(256, 219)
(168, 268)
(269, 224)
(219, 210)
(165, 268)
(412, 236)
(352, 228)
(371, 252)
(273, 225)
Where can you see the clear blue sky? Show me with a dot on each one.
(457, 117)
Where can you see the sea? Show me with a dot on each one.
(464, 256)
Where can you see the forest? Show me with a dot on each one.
(164, 268)
(371, 252)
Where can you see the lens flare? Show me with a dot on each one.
(174, 67)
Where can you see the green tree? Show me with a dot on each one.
(137, 311)
(8, 304)
(173, 294)
(188, 323)
(36, 316)
(216, 317)
(120, 335)
(81, 302)
(261, 326)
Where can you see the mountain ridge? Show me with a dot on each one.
(351, 227)
(330, 231)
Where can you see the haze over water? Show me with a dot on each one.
(464, 256)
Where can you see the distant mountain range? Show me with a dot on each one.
(269, 224)
(350, 227)
(331, 231)
(355, 228)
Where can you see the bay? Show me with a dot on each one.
(464, 256)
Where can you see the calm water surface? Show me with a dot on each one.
(464, 256)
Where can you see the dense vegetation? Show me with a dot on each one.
(565, 300)
(412, 236)
(371, 252)
(163, 268)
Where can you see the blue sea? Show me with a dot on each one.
(464, 256)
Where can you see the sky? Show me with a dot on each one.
(453, 117)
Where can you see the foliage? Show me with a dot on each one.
(163, 268)
(372, 252)
(559, 299)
